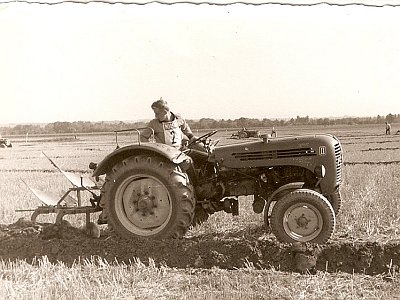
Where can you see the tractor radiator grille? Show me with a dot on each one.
(275, 154)
(339, 161)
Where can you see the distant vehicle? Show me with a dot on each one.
(5, 143)
(246, 133)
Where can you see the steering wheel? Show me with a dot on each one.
(202, 138)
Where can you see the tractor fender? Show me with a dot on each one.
(169, 152)
(279, 193)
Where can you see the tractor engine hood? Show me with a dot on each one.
(303, 151)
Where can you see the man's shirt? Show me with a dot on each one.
(170, 132)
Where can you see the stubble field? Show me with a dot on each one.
(225, 257)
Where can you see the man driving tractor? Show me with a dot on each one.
(169, 128)
(159, 190)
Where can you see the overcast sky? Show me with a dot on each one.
(101, 62)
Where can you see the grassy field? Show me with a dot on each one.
(370, 212)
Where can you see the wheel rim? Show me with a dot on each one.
(302, 222)
(143, 205)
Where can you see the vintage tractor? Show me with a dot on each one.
(154, 190)
(246, 133)
(5, 143)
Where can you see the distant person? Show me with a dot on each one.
(273, 132)
(169, 128)
(388, 127)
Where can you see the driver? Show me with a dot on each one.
(169, 128)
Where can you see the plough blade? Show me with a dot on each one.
(76, 180)
(50, 199)
(69, 200)
(46, 197)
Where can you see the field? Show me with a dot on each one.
(225, 257)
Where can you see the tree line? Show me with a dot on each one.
(204, 123)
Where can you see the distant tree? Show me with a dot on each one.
(390, 118)
(204, 123)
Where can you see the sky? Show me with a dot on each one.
(100, 62)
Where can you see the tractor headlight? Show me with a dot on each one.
(320, 171)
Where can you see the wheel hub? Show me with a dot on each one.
(146, 204)
(302, 221)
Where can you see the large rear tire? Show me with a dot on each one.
(148, 197)
(303, 216)
(200, 216)
(242, 135)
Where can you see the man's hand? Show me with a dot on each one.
(193, 138)
(186, 142)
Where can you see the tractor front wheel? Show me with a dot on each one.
(335, 200)
(148, 197)
(303, 216)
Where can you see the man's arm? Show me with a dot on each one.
(185, 128)
(146, 133)
(187, 131)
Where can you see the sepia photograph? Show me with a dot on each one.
(199, 149)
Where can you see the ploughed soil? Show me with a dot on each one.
(67, 244)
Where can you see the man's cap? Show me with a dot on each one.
(162, 104)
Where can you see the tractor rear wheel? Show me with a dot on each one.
(148, 197)
(242, 135)
(303, 216)
(200, 216)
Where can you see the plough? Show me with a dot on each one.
(66, 204)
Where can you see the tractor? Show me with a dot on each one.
(246, 133)
(156, 191)
(5, 143)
